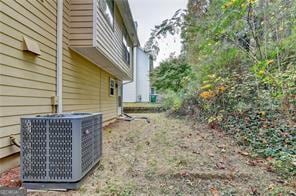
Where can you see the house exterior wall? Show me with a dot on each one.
(143, 82)
(109, 38)
(130, 92)
(89, 29)
(28, 81)
(139, 89)
(81, 26)
(85, 85)
(129, 87)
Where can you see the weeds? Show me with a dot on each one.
(160, 161)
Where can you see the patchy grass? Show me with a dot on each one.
(175, 157)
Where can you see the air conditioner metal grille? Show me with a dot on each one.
(60, 149)
(87, 143)
(97, 138)
(34, 133)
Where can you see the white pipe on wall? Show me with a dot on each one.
(59, 91)
(133, 66)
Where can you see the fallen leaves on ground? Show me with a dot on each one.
(214, 192)
(11, 178)
(243, 153)
(168, 155)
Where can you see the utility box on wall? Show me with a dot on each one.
(58, 150)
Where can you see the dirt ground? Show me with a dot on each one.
(173, 156)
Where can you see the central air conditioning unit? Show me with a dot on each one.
(58, 150)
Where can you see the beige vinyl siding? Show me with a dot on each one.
(81, 15)
(108, 103)
(27, 81)
(7, 162)
(110, 39)
(85, 85)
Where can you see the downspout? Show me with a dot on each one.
(59, 91)
(133, 67)
(134, 59)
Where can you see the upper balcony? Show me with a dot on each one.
(103, 31)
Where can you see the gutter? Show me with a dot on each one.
(59, 74)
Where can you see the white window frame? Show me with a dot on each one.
(109, 14)
(128, 48)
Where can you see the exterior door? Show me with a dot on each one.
(119, 94)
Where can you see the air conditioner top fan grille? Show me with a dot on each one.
(65, 115)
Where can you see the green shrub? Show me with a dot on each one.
(242, 75)
(171, 101)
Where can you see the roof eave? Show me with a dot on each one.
(129, 22)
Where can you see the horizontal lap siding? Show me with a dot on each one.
(108, 103)
(27, 81)
(110, 39)
(85, 85)
(81, 16)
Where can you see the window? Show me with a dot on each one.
(107, 7)
(126, 50)
(112, 87)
